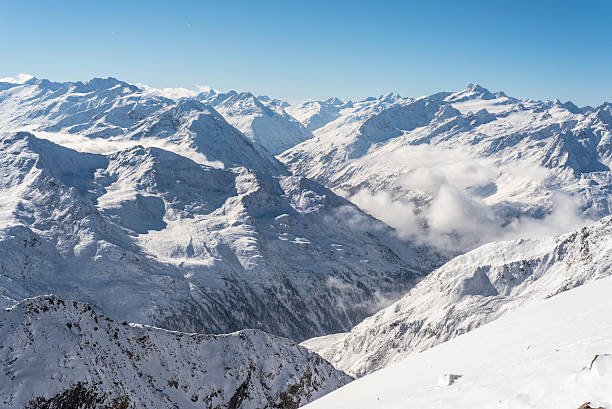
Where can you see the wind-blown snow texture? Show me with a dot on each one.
(463, 168)
(469, 291)
(149, 236)
(550, 355)
(63, 354)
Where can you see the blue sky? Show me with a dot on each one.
(317, 49)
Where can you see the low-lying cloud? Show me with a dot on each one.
(105, 146)
(175, 93)
(18, 79)
(455, 201)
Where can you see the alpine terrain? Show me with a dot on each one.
(149, 236)
(464, 168)
(171, 248)
(63, 354)
(552, 354)
(469, 291)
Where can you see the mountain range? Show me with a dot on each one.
(375, 232)
(469, 291)
(455, 164)
(552, 354)
(150, 236)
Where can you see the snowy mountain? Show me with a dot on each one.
(467, 168)
(64, 354)
(150, 236)
(469, 291)
(173, 212)
(261, 119)
(119, 114)
(553, 354)
(333, 117)
(316, 114)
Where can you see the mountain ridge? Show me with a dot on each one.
(469, 291)
(55, 352)
(205, 248)
(510, 159)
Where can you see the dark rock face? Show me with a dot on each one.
(587, 405)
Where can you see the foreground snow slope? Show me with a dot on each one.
(150, 236)
(451, 162)
(469, 291)
(56, 353)
(539, 357)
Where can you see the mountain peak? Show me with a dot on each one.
(334, 101)
(105, 84)
(390, 97)
(476, 88)
(473, 91)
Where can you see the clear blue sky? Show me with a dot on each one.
(317, 49)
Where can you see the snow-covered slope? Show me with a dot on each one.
(261, 119)
(149, 236)
(122, 115)
(328, 148)
(469, 291)
(456, 165)
(555, 354)
(64, 354)
(315, 114)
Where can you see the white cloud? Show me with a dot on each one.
(18, 79)
(176, 93)
(206, 88)
(455, 201)
(106, 146)
(398, 214)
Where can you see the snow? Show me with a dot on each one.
(541, 356)
(105, 115)
(168, 208)
(469, 291)
(18, 79)
(502, 165)
(262, 120)
(111, 145)
(50, 349)
(315, 114)
(150, 236)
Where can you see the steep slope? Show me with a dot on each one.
(150, 236)
(469, 291)
(553, 354)
(56, 353)
(262, 120)
(495, 161)
(122, 114)
(316, 114)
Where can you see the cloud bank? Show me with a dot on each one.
(455, 201)
(18, 79)
(106, 146)
(175, 93)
